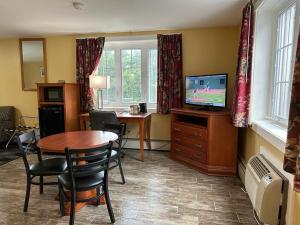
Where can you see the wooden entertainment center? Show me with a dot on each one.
(204, 140)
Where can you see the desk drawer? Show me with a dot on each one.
(189, 131)
(188, 153)
(193, 143)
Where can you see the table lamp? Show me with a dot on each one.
(99, 83)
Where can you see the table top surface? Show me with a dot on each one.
(76, 140)
(125, 115)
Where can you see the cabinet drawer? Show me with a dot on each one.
(186, 152)
(189, 131)
(194, 143)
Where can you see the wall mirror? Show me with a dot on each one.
(33, 62)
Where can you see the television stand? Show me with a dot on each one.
(207, 108)
(204, 140)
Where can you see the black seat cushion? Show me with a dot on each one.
(82, 183)
(48, 167)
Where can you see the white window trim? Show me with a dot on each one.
(273, 131)
(280, 9)
(274, 134)
(117, 44)
(126, 109)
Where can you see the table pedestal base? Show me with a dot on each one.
(79, 205)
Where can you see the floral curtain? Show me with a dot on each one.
(88, 53)
(169, 81)
(241, 99)
(292, 156)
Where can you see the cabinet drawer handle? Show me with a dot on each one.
(199, 146)
(178, 150)
(198, 134)
(177, 139)
(177, 129)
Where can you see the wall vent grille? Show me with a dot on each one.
(258, 166)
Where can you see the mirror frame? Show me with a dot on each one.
(21, 60)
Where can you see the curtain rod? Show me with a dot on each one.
(87, 37)
(130, 35)
(125, 38)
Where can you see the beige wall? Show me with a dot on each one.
(10, 79)
(250, 144)
(209, 50)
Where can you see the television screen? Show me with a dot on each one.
(206, 90)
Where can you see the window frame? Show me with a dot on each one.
(283, 7)
(261, 122)
(117, 46)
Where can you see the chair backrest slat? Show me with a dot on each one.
(87, 162)
(88, 156)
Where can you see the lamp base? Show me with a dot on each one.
(98, 105)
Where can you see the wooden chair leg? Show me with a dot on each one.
(120, 168)
(109, 208)
(73, 203)
(27, 195)
(41, 184)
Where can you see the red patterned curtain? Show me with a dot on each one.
(241, 99)
(169, 81)
(292, 156)
(88, 53)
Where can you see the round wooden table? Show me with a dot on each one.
(77, 140)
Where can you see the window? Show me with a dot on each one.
(107, 68)
(132, 68)
(273, 61)
(152, 75)
(131, 75)
(283, 64)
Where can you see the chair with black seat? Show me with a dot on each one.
(42, 168)
(108, 121)
(87, 170)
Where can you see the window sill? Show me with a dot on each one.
(126, 109)
(270, 131)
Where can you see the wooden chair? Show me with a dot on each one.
(87, 169)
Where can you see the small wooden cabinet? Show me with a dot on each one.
(204, 140)
(65, 98)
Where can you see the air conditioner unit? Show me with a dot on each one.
(264, 187)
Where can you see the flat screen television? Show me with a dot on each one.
(207, 91)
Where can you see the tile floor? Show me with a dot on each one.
(158, 191)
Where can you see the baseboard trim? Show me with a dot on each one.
(132, 143)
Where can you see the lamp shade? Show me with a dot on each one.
(98, 82)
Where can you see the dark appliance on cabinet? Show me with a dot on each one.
(143, 107)
(51, 119)
(53, 94)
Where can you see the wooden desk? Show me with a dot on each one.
(143, 119)
(76, 140)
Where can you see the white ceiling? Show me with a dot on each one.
(21, 18)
